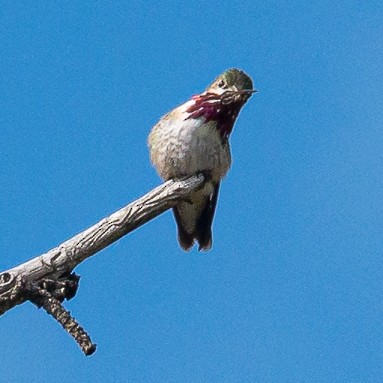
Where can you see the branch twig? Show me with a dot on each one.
(49, 294)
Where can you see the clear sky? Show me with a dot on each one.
(292, 288)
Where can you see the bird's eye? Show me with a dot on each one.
(221, 84)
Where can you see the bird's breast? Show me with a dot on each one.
(180, 147)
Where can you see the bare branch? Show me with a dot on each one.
(59, 262)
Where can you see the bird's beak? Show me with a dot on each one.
(245, 94)
(248, 91)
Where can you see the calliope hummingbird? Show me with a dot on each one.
(194, 138)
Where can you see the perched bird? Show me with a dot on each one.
(193, 138)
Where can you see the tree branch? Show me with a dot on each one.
(29, 280)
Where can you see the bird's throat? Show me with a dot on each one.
(213, 108)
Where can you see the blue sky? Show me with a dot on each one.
(291, 290)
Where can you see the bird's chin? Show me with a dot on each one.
(245, 96)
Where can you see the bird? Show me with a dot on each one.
(193, 138)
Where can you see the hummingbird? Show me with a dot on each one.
(194, 138)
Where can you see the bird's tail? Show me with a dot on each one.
(194, 221)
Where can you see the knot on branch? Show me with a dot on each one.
(64, 287)
(5, 278)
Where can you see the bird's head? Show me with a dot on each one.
(222, 100)
(233, 85)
